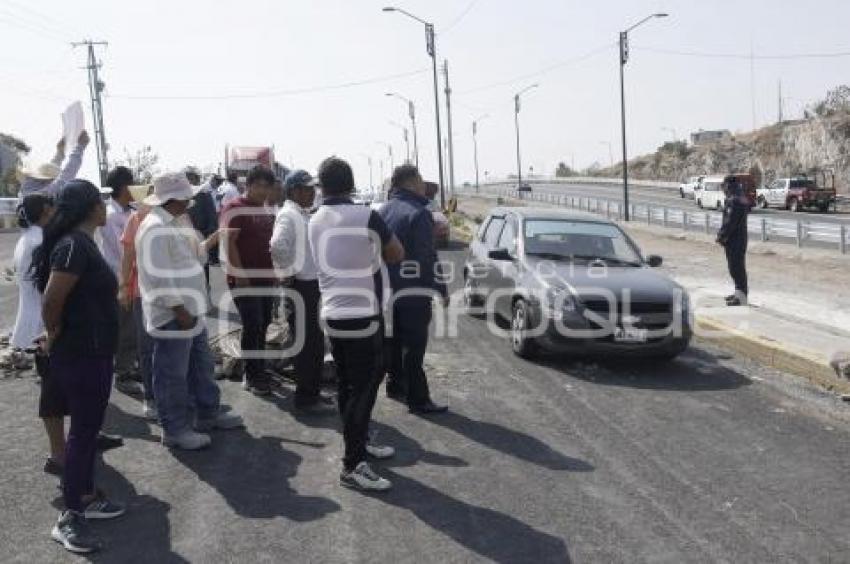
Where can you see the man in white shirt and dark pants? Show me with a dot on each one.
(348, 241)
(293, 259)
(118, 211)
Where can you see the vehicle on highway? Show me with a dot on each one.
(710, 193)
(690, 186)
(796, 194)
(575, 283)
(523, 188)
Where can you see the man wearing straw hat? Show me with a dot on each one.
(169, 255)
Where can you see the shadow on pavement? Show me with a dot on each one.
(695, 370)
(408, 451)
(252, 474)
(508, 441)
(143, 533)
(488, 533)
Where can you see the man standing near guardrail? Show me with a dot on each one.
(733, 236)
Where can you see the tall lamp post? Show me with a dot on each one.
(624, 58)
(475, 145)
(431, 48)
(371, 180)
(404, 135)
(411, 110)
(389, 152)
(516, 123)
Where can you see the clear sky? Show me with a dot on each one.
(188, 76)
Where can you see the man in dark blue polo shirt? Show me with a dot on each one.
(414, 283)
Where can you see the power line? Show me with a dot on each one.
(277, 93)
(745, 56)
(459, 19)
(41, 17)
(543, 70)
(38, 30)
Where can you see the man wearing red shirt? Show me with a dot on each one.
(248, 265)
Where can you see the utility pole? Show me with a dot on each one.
(96, 86)
(412, 111)
(780, 100)
(449, 125)
(475, 146)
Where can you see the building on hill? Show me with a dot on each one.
(703, 137)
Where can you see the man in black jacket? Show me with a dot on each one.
(203, 213)
(733, 236)
(414, 283)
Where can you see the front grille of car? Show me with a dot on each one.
(655, 316)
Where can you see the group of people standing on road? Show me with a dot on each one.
(114, 283)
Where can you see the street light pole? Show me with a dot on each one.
(405, 137)
(624, 58)
(516, 124)
(431, 47)
(411, 110)
(610, 152)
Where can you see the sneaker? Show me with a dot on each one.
(259, 390)
(380, 452)
(363, 478)
(72, 531)
(739, 299)
(52, 467)
(129, 387)
(221, 421)
(106, 442)
(101, 508)
(187, 440)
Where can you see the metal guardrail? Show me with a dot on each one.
(802, 233)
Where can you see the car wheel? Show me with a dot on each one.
(471, 297)
(794, 205)
(763, 202)
(823, 208)
(522, 345)
(718, 206)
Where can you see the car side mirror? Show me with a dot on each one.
(654, 261)
(500, 254)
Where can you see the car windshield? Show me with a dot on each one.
(561, 239)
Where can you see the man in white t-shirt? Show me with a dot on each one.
(348, 242)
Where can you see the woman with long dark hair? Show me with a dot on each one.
(80, 312)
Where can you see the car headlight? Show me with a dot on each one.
(560, 301)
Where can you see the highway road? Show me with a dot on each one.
(708, 459)
(668, 197)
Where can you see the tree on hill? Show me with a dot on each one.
(837, 101)
(11, 149)
(564, 171)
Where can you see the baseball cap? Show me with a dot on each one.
(298, 178)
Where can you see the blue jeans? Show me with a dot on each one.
(183, 380)
(144, 344)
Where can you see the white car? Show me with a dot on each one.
(710, 193)
(688, 188)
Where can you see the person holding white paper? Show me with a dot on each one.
(49, 178)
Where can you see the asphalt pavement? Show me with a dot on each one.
(707, 459)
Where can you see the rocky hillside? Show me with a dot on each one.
(774, 151)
